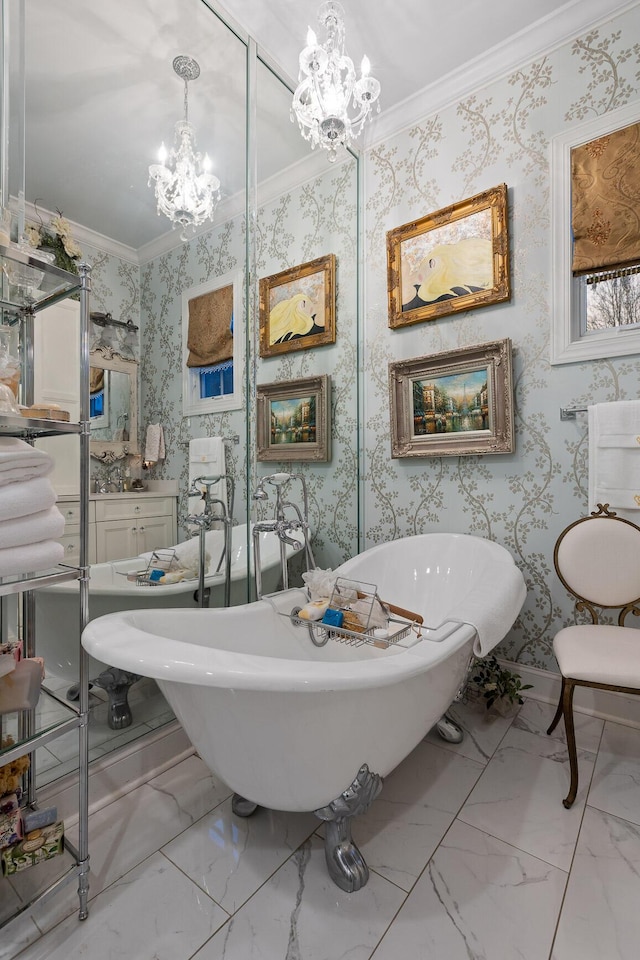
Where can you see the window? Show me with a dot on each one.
(591, 317)
(212, 348)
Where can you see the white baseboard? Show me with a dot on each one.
(118, 773)
(606, 704)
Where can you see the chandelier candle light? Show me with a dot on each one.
(328, 87)
(186, 191)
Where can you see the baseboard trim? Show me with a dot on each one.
(607, 705)
(116, 774)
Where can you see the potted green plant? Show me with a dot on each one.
(500, 689)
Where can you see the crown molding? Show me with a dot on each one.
(542, 37)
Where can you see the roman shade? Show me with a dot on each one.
(210, 334)
(605, 197)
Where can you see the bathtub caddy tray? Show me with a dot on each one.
(365, 627)
(164, 561)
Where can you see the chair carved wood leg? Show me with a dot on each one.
(567, 712)
(558, 713)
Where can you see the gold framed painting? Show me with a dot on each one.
(294, 419)
(297, 308)
(454, 403)
(452, 260)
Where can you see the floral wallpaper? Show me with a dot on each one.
(499, 134)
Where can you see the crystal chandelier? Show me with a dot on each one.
(186, 191)
(328, 87)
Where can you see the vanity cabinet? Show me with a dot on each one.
(121, 526)
(128, 526)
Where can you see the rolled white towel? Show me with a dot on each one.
(20, 461)
(43, 525)
(23, 499)
(30, 558)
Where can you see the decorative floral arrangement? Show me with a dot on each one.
(56, 237)
(495, 683)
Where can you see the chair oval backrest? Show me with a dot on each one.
(598, 559)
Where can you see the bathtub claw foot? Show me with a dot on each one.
(345, 863)
(116, 684)
(242, 807)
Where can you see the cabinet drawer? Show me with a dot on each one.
(134, 508)
(70, 540)
(70, 510)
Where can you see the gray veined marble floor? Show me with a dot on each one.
(472, 855)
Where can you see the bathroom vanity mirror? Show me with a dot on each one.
(113, 405)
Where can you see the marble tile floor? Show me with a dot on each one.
(472, 857)
(149, 708)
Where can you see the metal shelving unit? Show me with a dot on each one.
(27, 286)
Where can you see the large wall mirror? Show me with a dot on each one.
(101, 95)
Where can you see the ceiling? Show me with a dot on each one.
(101, 93)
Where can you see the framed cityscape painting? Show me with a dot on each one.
(294, 419)
(454, 403)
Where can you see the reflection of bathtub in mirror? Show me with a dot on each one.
(57, 608)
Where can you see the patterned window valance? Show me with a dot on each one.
(605, 189)
(210, 334)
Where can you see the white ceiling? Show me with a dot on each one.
(101, 93)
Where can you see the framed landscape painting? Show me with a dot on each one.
(452, 260)
(294, 420)
(454, 403)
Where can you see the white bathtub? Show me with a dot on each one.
(287, 724)
(293, 726)
(57, 608)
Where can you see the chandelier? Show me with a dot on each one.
(186, 191)
(328, 87)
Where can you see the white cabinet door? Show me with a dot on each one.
(155, 533)
(116, 539)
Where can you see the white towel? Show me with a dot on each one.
(614, 457)
(492, 621)
(20, 461)
(154, 449)
(23, 499)
(30, 558)
(44, 525)
(206, 459)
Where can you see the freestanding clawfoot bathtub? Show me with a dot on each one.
(294, 726)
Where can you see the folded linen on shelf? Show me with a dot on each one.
(20, 461)
(43, 525)
(489, 619)
(24, 499)
(614, 457)
(30, 557)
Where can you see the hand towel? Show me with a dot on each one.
(30, 558)
(43, 525)
(154, 449)
(206, 459)
(24, 499)
(492, 621)
(20, 461)
(614, 457)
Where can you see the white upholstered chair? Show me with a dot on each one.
(598, 560)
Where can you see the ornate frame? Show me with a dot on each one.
(317, 447)
(416, 428)
(111, 450)
(409, 248)
(296, 281)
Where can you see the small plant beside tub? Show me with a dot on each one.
(500, 689)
